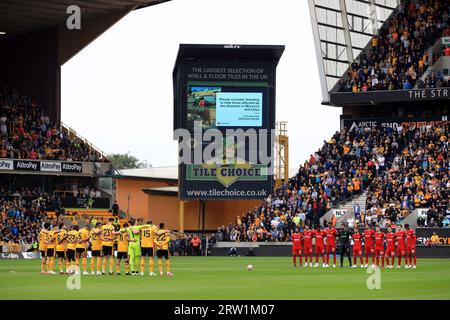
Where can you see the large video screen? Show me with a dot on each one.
(227, 96)
(225, 107)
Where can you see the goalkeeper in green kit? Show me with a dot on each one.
(134, 245)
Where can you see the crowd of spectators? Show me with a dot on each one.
(341, 169)
(433, 81)
(27, 132)
(398, 54)
(401, 169)
(418, 177)
(21, 220)
(189, 245)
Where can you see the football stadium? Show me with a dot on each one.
(366, 215)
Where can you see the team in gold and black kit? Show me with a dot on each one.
(70, 246)
(162, 248)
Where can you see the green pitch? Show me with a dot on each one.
(227, 278)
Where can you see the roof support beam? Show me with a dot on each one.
(373, 16)
(348, 39)
(379, 5)
(319, 58)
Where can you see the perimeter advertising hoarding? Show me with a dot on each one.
(40, 166)
(227, 95)
(424, 235)
(394, 123)
(379, 97)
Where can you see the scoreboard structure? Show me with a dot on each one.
(224, 120)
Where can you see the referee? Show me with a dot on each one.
(344, 243)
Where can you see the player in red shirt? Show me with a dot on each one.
(379, 246)
(368, 244)
(297, 246)
(390, 247)
(331, 244)
(410, 247)
(357, 247)
(320, 248)
(307, 243)
(401, 248)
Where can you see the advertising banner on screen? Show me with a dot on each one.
(239, 109)
(424, 235)
(47, 166)
(76, 167)
(41, 166)
(393, 123)
(380, 97)
(6, 164)
(27, 165)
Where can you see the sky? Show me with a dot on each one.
(117, 92)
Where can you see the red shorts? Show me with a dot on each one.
(331, 248)
(369, 249)
(320, 249)
(390, 251)
(379, 251)
(357, 251)
(308, 249)
(411, 249)
(401, 251)
(296, 251)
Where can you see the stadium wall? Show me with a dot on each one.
(133, 187)
(165, 206)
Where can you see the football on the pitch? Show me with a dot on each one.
(250, 267)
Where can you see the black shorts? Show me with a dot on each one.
(162, 253)
(70, 254)
(81, 250)
(60, 254)
(122, 255)
(43, 253)
(107, 251)
(50, 252)
(96, 253)
(146, 252)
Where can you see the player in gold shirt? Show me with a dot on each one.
(122, 249)
(61, 245)
(83, 238)
(147, 244)
(72, 241)
(162, 248)
(107, 245)
(96, 248)
(42, 237)
(50, 240)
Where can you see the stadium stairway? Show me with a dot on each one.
(347, 207)
(77, 137)
(433, 68)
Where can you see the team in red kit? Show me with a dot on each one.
(380, 247)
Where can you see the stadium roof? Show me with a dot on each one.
(170, 173)
(19, 17)
(202, 51)
(162, 191)
(341, 30)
